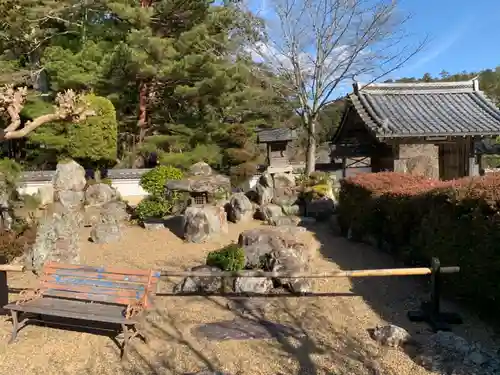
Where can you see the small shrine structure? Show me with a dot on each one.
(276, 141)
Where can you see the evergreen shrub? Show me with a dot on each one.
(229, 258)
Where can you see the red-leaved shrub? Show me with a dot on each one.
(416, 218)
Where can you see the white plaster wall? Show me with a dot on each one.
(126, 187)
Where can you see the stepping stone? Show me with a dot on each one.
(240, 329)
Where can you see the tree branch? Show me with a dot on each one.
(69, 107)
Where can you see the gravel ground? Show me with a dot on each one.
(331, 339)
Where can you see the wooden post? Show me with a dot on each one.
(430, 311)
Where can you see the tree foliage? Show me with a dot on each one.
(91, 141)
(178, 73)
(184, 78)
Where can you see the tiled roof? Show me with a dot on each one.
(276, 135)
(426, 109)
(114, 174)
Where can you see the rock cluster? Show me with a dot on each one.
(279, 249)
(447, 353)
(75, 204)
(443, 353)
(278, 197)
(276, 200)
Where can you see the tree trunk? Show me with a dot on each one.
(142, 121)
(38, 77)
(143, 94)
(311, 146)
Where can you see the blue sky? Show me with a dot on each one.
(464, 35)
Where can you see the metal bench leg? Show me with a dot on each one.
(126, 339)
(138, 333)
(15, 326)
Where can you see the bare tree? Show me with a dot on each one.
(69, 106)
(319, 45)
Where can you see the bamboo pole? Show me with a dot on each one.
(11, 268)
(305, 275)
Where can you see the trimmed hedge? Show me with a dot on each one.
(415, 218)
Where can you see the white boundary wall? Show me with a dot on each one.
(126, 187)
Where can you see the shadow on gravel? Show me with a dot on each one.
(298, 340)
(390, 297)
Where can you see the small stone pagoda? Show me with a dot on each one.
(202, 185)
(276, 141)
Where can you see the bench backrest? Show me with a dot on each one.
(113, 285)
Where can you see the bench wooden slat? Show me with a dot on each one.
(97, 275)
(94, 297)
(137, 294)
(74, 309)
(78, 281)
(101, 269)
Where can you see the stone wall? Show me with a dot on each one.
(418, 159)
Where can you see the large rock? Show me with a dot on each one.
(69, 182)
(69, 176)
(285, 190)
(57, 240)
(107, 228)
(201, 223)
(253, 285)
(269, 211)
(284, 221)
(118, 209)
(200, 284)
(6, 218)
(284, 249)
(105, 231)
(264, 189)
(239, 208)
(288, 259)
(99, 194)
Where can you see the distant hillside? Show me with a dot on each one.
(489, 80)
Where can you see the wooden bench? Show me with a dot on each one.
(110, 295)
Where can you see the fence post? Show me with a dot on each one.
(430, 311)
